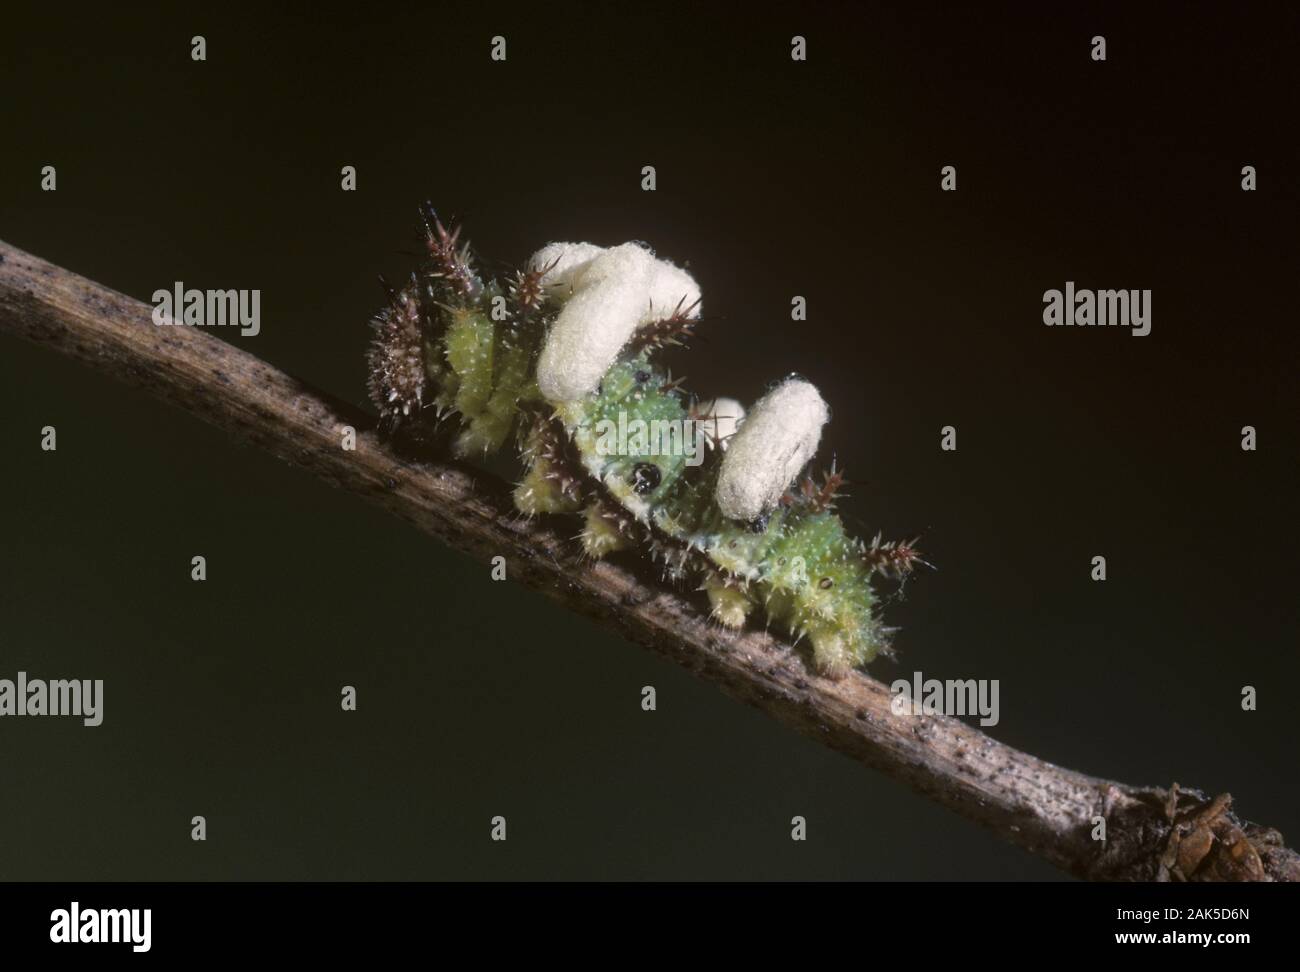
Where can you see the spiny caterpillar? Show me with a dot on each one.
(558, 358)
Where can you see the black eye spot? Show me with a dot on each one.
(825, 583)
(645, 477)
(642, 377)
(759, 523)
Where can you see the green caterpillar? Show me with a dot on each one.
(559, 360)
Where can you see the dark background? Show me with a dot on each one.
(775, 178)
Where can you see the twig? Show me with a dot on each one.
(1151, 833)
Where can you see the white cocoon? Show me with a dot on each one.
(778, 437)
(566, 263)
(719, 420)
(613, 291)
(670, 286)
(606, 306)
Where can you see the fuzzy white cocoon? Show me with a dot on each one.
(670, 287)
(778, 437)
(613, 291)
(564, 264)
(719, 420)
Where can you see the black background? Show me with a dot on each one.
(775, 178)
